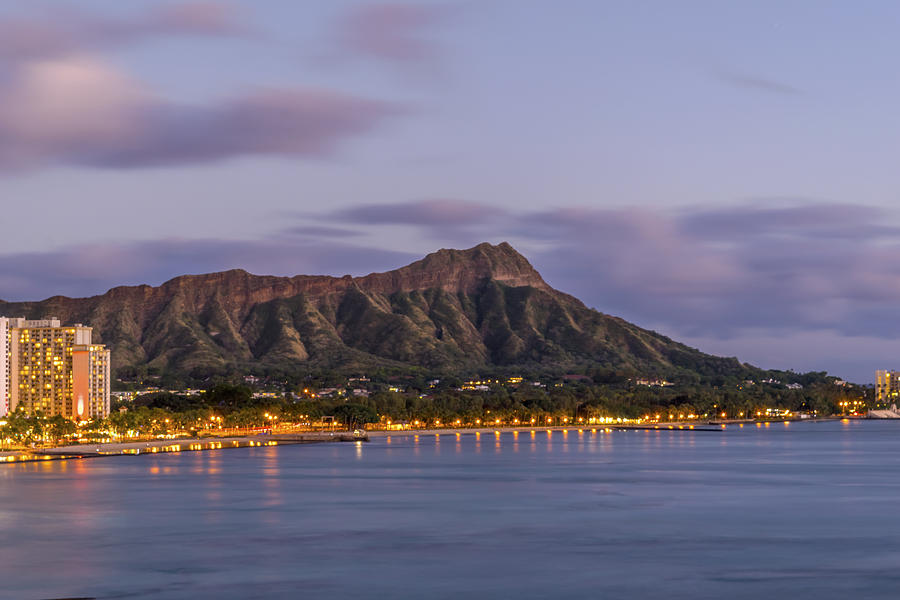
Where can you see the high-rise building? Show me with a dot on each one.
(54, 369)
(5, 375)
(887, 386)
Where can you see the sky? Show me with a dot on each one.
(721, 172)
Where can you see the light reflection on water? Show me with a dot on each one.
(799, 511)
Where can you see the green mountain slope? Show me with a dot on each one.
(453, 310)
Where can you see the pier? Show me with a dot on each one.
(180, 445)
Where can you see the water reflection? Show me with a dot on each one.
(398, 518)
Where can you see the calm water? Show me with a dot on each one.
(802, 511)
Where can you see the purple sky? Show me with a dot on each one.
(720, 172)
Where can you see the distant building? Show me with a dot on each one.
(123, 396)
(887, 386)
(478, 385)
(5, 374)
(653, 382)
(777, 412)
(329, 392)
(54, 369)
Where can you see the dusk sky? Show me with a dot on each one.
(724, 173)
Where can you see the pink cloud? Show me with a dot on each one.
(392, 32)
(67, 31)
(76, 109)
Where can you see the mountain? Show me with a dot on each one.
(454, 310)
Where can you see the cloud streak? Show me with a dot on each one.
(716, 272)
(80, 110)
(432, 213)
(50, 35)
(763, 269)
(774, 265)
(61, 103)
(396, 34)
(757, 84)
(787, 217)
(90, 269)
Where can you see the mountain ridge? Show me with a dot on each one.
(485, 306)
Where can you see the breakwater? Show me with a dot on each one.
(178, 445)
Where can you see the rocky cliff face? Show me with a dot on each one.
(453, 309)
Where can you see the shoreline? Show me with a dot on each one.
(79, 451)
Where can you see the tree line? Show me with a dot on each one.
(228, 405)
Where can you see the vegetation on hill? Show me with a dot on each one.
(419, 333)
(419, 402)
(455, 312)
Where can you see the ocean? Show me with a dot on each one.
(799, 510)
